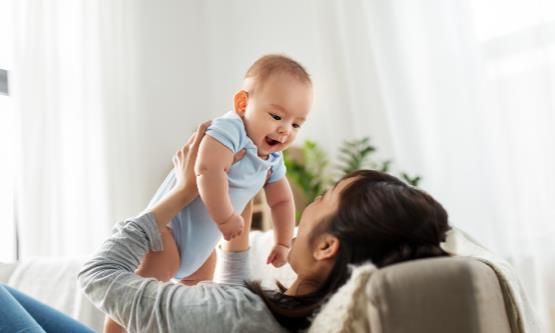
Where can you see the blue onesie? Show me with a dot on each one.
(195, 232)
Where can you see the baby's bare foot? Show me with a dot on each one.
(233, 227)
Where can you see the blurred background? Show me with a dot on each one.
(96, 96)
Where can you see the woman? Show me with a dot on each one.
(366, 216)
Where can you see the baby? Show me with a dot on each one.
(269, 110)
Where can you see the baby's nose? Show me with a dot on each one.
(283, 130)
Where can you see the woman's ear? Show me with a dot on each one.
(327, 247)
(240, 102)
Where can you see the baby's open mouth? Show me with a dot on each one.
(271, 141)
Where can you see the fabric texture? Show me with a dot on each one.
(375, 300)
(521, 314)
(54, 281)
(22, 313)
(346, 311)
(446, 294)
(147, 305)
(195, 232)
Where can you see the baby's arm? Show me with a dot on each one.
(280, 199)
(213, 162)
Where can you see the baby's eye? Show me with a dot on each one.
(275, 116)
(296, 126)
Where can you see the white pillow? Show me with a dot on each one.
(261, 245)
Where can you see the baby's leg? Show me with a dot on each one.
(161, 265)
(164, 264)
(240, 243)
(204, 273)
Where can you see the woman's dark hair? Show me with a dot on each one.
(379, 219)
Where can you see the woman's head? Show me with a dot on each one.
(368, 216)
(374, 217)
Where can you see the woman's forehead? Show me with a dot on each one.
(339, 186)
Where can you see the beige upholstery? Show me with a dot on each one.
(454, 295)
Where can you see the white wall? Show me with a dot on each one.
(190, 59)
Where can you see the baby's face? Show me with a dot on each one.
(276, 112)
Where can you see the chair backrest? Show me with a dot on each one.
(447, 295)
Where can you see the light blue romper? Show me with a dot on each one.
(195, 232)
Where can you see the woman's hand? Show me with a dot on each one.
(185, 189)
(184, 161)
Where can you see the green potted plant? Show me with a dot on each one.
(310, 171)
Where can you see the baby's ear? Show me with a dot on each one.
(240, 102)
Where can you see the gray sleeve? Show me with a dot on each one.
(147, 305)
(108, 279)
(234, 267)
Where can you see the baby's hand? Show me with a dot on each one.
(278, 256)
(232, 227)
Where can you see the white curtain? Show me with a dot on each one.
(72, 91)
(469, 91)
(458, 92)
(7, 227)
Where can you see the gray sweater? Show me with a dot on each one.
(148, 305)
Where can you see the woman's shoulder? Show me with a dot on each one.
(215, 306)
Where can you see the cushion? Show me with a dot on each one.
(450, 294)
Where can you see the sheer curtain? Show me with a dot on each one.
(70, 89)
(459, 92)
(7, 225)
(468, 88)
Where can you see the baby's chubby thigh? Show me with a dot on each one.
(196, 237)
(204, 273)
(161, 265)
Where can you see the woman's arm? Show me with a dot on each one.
(108, 279)
(185, 189)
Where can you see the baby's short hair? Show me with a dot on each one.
(271, 64)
